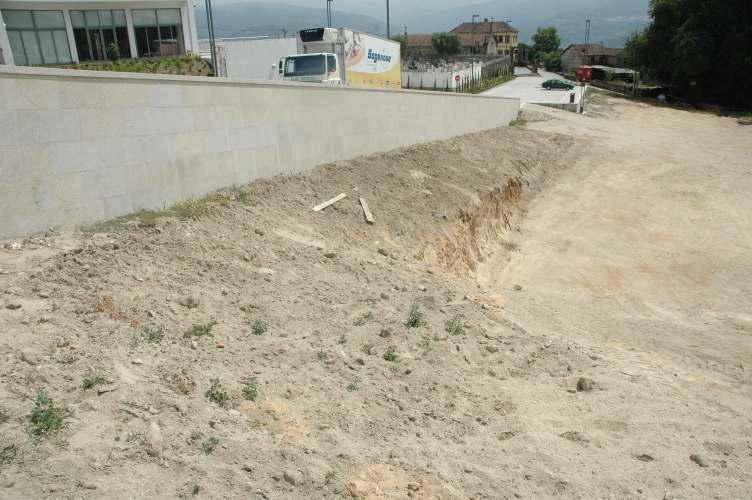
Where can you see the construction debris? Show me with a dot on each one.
(319, 208)
(366, 211)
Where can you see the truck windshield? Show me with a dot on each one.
(305, 65)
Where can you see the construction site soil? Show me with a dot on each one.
(500, 331)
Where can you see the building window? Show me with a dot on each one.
(97, 30)
(158, 32)
(37, 37)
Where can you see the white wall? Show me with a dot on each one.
(252, 58)
(426, 79)
(82, 146)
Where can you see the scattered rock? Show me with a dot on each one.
(330, 255)
(294, 478)
(585, 385)
(43, 295)
(517, 288)
(699, 460)
(574, 436)
(644, 457)
(745, 121)
(413, 486)
(189, 302)
(492, 349)
(384, 296)
(13, 306)
(28, 357)
(385, 333)
(194, 345)
(137, 361)
(422, 288)
(260, 232)
(220, 345)
(154, 440)
(383, 252)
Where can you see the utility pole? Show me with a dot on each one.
(474, 41)
(388, 28)
(212, 42)
(587, 32)
(329, 13)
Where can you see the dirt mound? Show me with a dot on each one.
(269, 351)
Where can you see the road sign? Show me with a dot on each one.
(457, 78)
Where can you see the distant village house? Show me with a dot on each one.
(593, 54)
(482, 38)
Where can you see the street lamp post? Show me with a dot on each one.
(388, 28)
(212, 42)
(329, 13)
(474, 41)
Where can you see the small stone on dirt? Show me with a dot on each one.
(383, 252)
(385, 333)
(644, 457)
(330, 255)
(492, 349)
(699, 460)
(384, 296)
(294, 478)
(137, 361)
(260, 232)
(422, 288)
(13, 306)
(517, 288)
(585, 385)
(189, 302)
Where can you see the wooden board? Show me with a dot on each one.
(366, 211)
(319, 208)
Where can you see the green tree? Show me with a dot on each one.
(552, 60)
(699, 47)
(446, 44)
(545, 40)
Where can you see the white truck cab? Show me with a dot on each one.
(319, 68)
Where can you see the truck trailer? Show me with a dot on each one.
(344, 57)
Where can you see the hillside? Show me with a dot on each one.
(256, 19)
(612, 20)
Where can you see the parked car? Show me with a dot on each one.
(557, 84)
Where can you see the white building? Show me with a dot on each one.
(44, 33)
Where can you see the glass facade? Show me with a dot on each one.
(40, 37)
(100, 34)
(158, 32)
(37, 37)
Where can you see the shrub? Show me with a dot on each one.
(46, 418)
(217, 394)
(415, 318)
(200, 330)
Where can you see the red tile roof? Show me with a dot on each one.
(485, 27)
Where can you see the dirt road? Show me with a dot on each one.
(642, 250)
(557, 310)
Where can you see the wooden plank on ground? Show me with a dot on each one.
(319, 208)
(366, 211)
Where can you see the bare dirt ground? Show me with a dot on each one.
(613, 247)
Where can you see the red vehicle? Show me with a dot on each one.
(584, 74)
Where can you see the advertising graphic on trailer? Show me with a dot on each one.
(372, 61)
